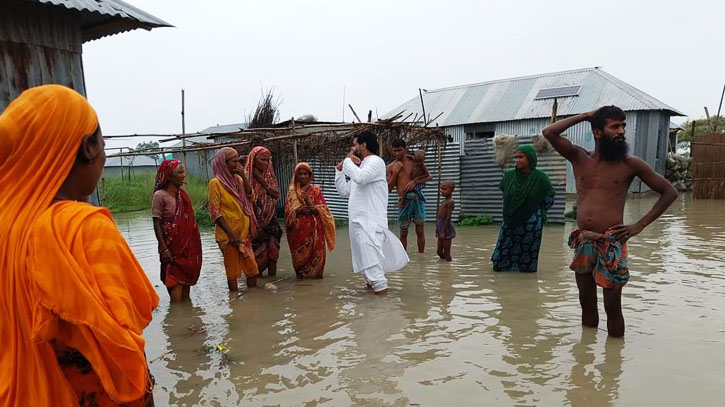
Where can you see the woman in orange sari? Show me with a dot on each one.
(73, 298)
(309, 224)
(176, 230)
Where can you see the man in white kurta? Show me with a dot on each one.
(375, 249)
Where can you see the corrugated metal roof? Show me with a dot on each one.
(513, 99)
(223, 128)
(100, 18)
(135, 161)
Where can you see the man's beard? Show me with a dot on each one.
(612, 150)
(357, 153)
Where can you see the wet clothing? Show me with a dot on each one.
(178, 229)
(68, 277)
(308, 236)
(517, 248)
(371, 242)
(443, 232)
(526, 199)
(239, 260)
(600, 255)
(181, 234)
(413, 210)
(223, 204)
(268, 234)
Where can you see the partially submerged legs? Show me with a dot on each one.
(613, 308)
(404, 235)
(420, 235)
(179, 293)
(444, 249)
(375, 278)
(588, 299)
(612, 305)
(236, 263)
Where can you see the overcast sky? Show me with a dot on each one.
(223, 52)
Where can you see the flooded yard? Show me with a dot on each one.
(450, 334)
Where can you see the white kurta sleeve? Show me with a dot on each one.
(370, 173)
(342, 184)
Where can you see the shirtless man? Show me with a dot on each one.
(603, 177)
(419, 171)
(400, 177)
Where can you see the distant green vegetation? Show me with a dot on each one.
(135, 194)
(201, 213)
(469, 220)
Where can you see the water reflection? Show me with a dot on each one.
(595, 384)
(187, 335)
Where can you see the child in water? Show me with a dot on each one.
(445, 232)
(419, 171)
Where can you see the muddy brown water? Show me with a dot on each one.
(453, 334)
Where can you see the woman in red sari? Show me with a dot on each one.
(176, 230)
(309, 224)
(266, 194)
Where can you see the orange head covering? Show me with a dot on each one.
(66, 275)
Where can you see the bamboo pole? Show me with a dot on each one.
(422, 105)
(183, 128)
(340, 132)
(440, 173)
(103, 188)
(554, 109)
(719, 107)
(709, 122)
(356, 116)
(294, 142)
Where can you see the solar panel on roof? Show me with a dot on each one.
(560, 92)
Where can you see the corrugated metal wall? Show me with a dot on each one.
(284, 168)
(38, 45)
(481, 176)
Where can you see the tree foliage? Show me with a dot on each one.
(147, 145)
(701, 127)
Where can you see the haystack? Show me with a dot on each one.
(504, 146)
(541, 144)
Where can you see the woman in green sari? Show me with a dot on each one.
(527, 195)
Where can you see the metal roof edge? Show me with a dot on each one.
(516, 78)
(626, 87)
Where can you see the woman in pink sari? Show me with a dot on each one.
(266, 194)
(309, 224)
(176, 231)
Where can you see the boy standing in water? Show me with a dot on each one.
(603, 177)
(419, 172)
(445, 232)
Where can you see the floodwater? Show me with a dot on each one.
(453, 334)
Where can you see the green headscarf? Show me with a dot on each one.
(524, 193)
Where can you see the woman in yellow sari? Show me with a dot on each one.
(309, 224)
(73, 299)
(230, 207)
